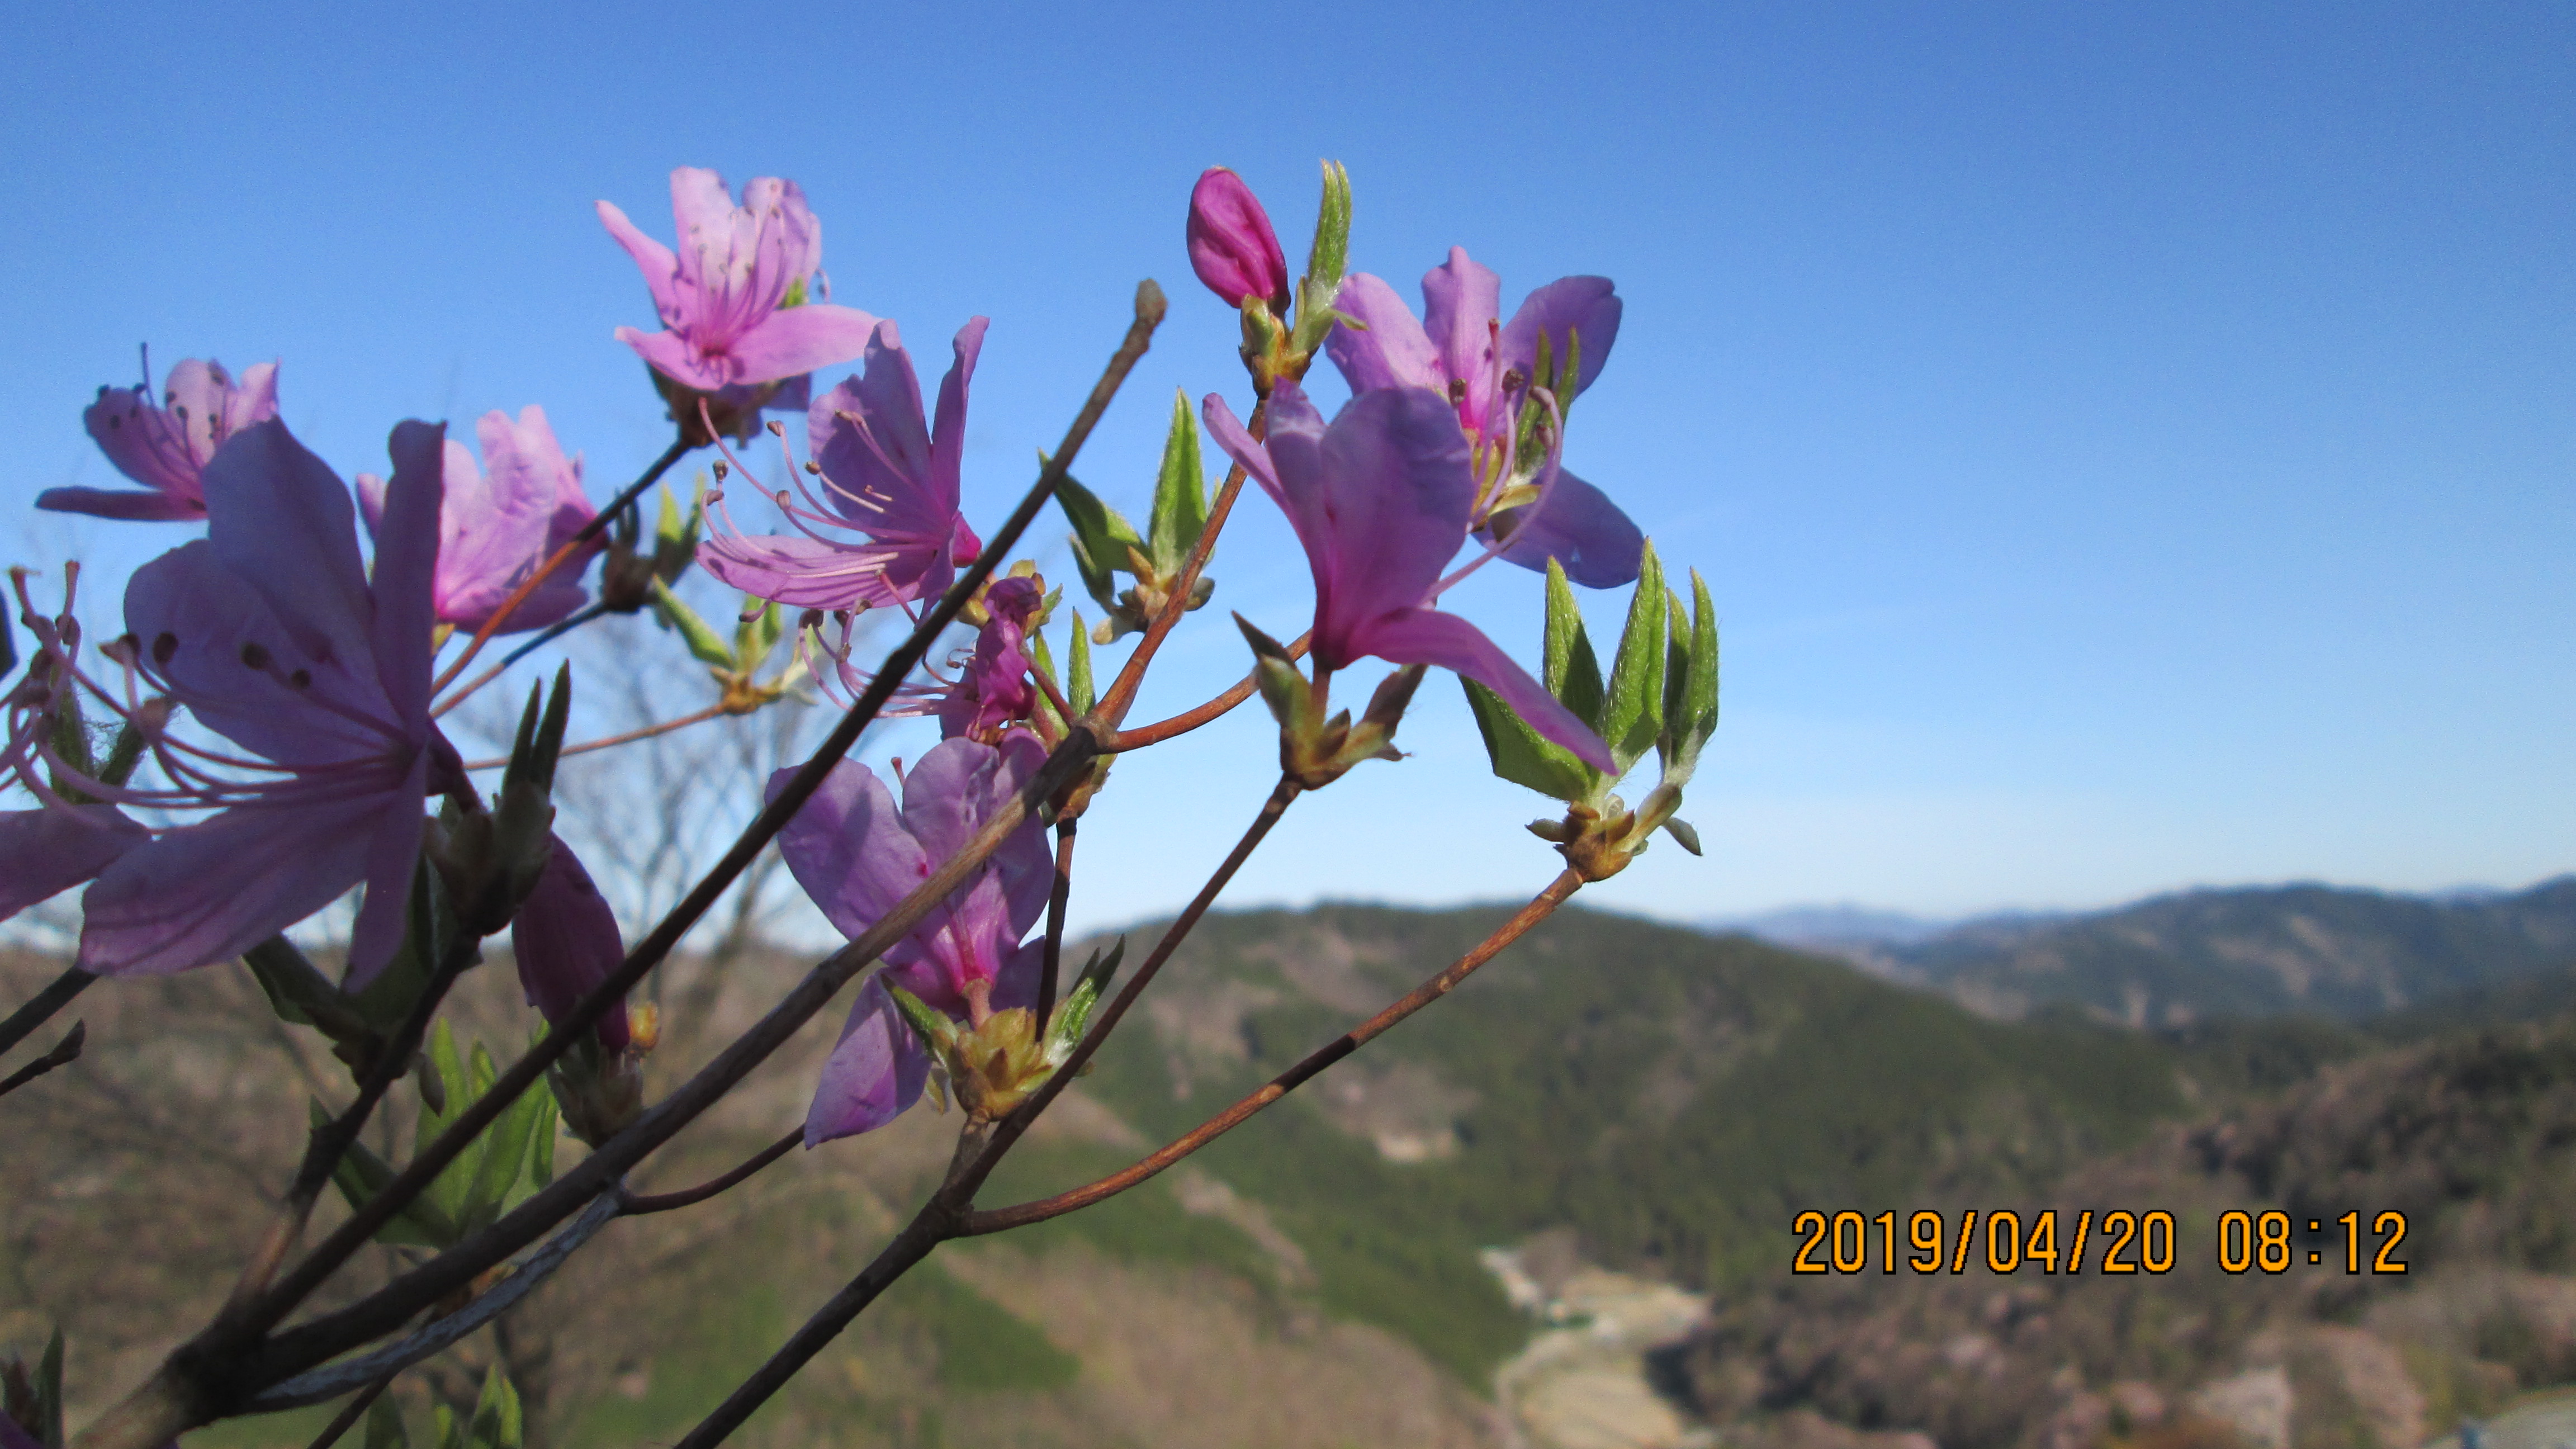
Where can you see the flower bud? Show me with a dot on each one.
(565, 939)
(1232, 247)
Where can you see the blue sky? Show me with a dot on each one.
(2129, 447)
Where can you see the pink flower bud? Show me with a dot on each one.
(1232, 247)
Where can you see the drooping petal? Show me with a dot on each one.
(1461, 301)
(1588, 306)
(875, 1072)
(566, 943)
(1427, 636)
(1576, 524)
(47, 851)
(849, 847)
(800, 340)
(1393, 351)
(210, 891)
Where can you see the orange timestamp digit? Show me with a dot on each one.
(2003, 1240)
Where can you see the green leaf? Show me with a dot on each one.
(385, 1425)
(705, 644)
(1044, 658)
(497, 1423)
(360, 1174)
(1691, 708)
(1632, 713)
(1101, 538)
(449, 1192)
(1077, 683)
(1524, 756)
(505, 1152)
(1325, 260)
(1570, 671)
(1180, 493)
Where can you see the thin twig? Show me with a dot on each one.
(667, 726)
(65, 1052)
(1539, 909)
(1131, 676)
(57, 994)
(1187, 720)
(663, 1202)
(510, 605)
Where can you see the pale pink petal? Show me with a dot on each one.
(948, 431)
(661, 269)
(798, 340)
(807, 573)
(671, 354)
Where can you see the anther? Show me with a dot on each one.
(1457, 391)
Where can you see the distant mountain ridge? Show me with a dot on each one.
(2260, 951)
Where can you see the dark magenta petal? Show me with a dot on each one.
(1232, 247)
(1577, 525)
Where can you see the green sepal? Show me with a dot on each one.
(1521, 754)
(122, 757)
(1180, 494)
(71, 742)
(705, 644)
(1632, 712)
(1568, 666)
(1102, 537)
(1283, 686)
(360, 1174)
(300, 994)
(675, 539)
(385, 1425)
(1682, 831)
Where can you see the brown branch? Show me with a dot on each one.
(352, 1411)
(1057, 897)
(663, 1202)
(1539, 909)
(1190, 719)
(1113, 705)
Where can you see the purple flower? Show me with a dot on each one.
(565, 940)
(994, 689)
(1462, 350)
(1232, 247)
(885, 474)
(494, 531)
(165, 448)
(858, 856)
(1381, 501)
(270, 633)
(741, 302)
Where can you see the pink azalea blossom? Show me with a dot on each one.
(1462, 349)
(885, 474)
(857, 856)
(566, 943)
(741, 302)
(165, 448)
(270, 633)
(1232, 247)
(1381, 501)
(494, 530)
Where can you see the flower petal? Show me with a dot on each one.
(809, 573)
(661, 269)
(1392, 476)
(849, 847)
(1461, 301)
(948, 430)
(406, 562)
(875, 1072)
(392, 852)
(281, 520)
(1588, 306)
(1394, 351)
(800, 339)
(1589, 536)
(210, 891)
(121, 503)
(46, 851)
(1427, 636)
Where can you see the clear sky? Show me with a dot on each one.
(2130, 447)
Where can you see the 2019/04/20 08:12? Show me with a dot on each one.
(2127, 1242)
